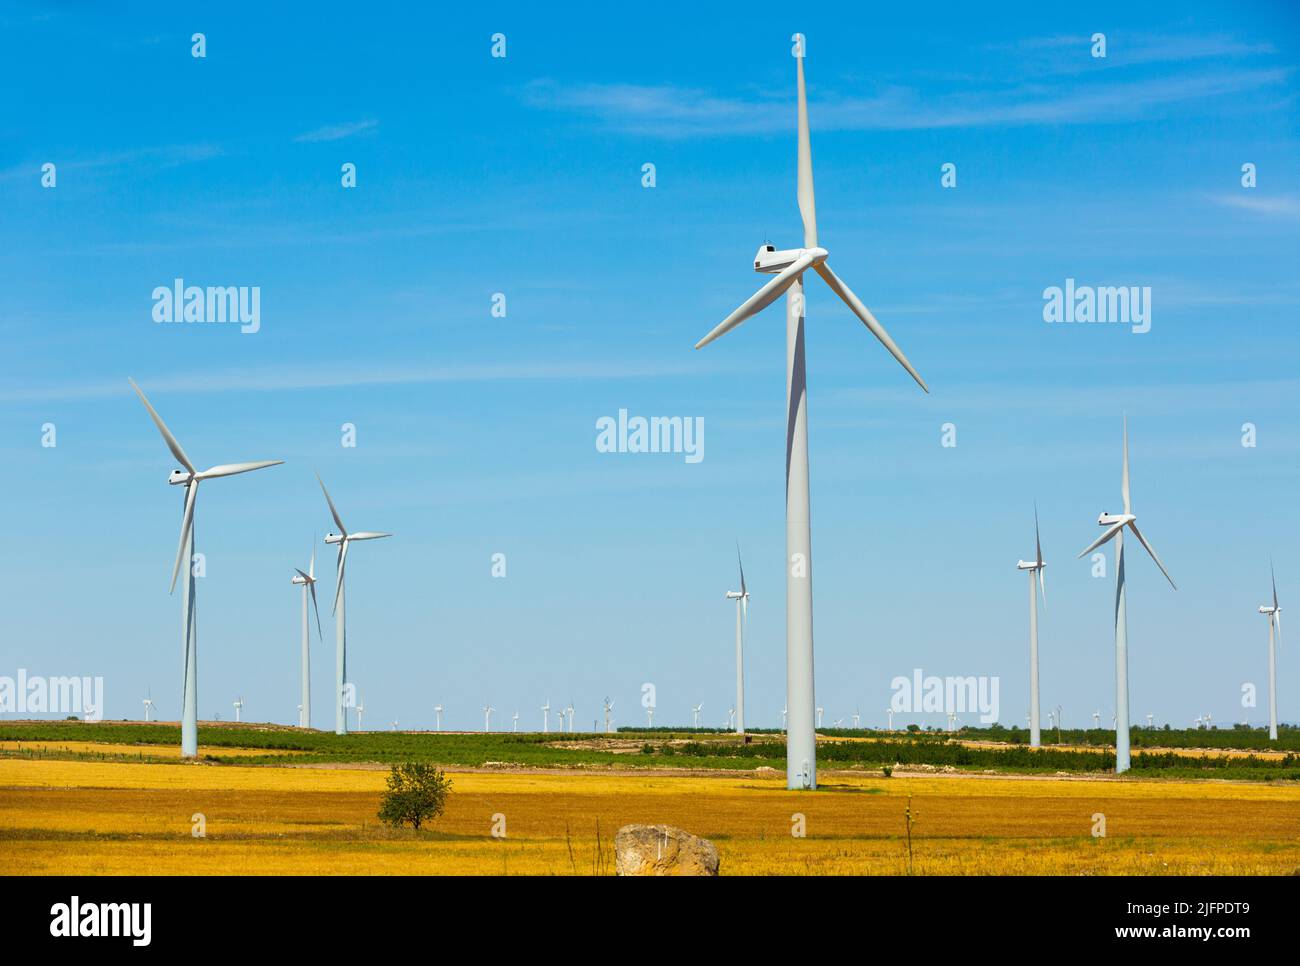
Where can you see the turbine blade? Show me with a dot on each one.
(172, 443)
(187, 521)
(1105, 537)
(320, 635)
(1042, 587)
(1038, 543)
(1151, 550)
(862, 312)
(741, 564)
(367, 535)
(343, 560)
(231, 469)
(760, 300)
(807, 202)
(311, 568)
(1273, 575)
(1124, 484)
(333, 512)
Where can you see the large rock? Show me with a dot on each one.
(662, 850)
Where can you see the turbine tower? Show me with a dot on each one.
(190, 478)
(148, 706)
(788, 267)
(1035, 569)
(609, 706)
(741, 597)
(1115, 524)
(308, 582)
(1274, 639)
(695, 715)
(360, 709)
(487, 717)
(546, 717)
(516, 722)
(437, 711)
(344, 540)
(239, 706)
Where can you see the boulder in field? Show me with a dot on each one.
(662, 850)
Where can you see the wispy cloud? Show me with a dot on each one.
(160, 156)
(1071, 53)
(671, 112)
(1273, 206)
(337, 132)
(289, 378)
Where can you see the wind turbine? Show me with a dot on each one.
(741, 597)
(1115, 524)
(695, 715)
(820, 711)
(731, 718)
(190, 478)
(1035, 570)
(437, 711)
(308, 582)
(952, 720)
(546, 717)
(393, 726)
(650, 715)
(148, 706)
(856, 719)
(1274, 639)
(360, 709)
(344, 540)
(784, 714)
(609, 706)
(239, 705)
(1096, 719)
(788, 268)
(890, 712)
(516, 722)
(487, 717)
(569, 711)
(1150, 718)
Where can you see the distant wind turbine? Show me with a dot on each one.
(741, 597)
(190, 478)
(487, 717)
(239, 705)
(695, 715)
(516, 722)
(890, 712)
(1035, 569)
(787, 268)
(609, 706)
(360, 710)
(1115, 524)
(148, 707)
(1274, 613)
(344, 540)
(437, 711)
(546, 717)
(308, 583)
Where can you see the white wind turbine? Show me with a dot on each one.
(344, 540)
(546, 717)
(1150, 719)
(609, 706)
(308, 583)
(190, 478)
(569, 712)
(437, 711)
(487, 717)
(695, 715)
(239, 706)
(516, 722)
(856, 719)
(890, 712)
(784, 714)
(148, 707)
(360, 710)
(731, 718)
(820, 712)
(1274, 614)
(788, 267)
(1035, 570)
(741, 597)
(1115, 524)
(650, 715)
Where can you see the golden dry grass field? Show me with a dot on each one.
(87, 817)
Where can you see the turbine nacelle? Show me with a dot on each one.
(335, 538)
(1030, 565)
(1269, 610)
(736, 595)
(179, 477)
(769, 260)
(1112, 519)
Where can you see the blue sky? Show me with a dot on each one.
(476, 435)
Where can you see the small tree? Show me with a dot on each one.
(417, 792)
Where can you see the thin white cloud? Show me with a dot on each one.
(675, 112)
(307, 377)
(337, 132)
(1273, 206)
(161, 156)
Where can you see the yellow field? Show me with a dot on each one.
(143, 751)
(79, 817)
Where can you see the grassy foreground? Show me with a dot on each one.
(113, 817)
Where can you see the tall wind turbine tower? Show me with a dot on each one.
(788, 267)
(1115, 524)
(344, 540)
(190, 478)
(1274, 613)
(1035, 569)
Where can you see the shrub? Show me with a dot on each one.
(417, 792)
